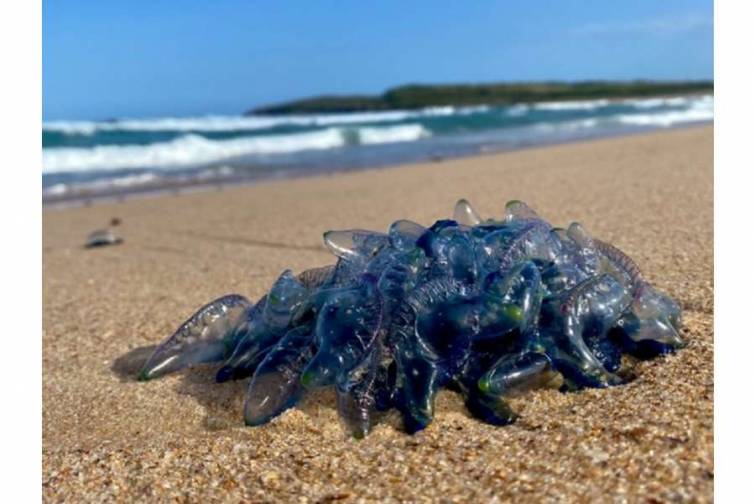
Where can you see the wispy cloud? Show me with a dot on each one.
(657, 26)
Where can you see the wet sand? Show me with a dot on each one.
(109, 438)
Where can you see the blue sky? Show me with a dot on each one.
(135, 58)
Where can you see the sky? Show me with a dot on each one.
(146, 58)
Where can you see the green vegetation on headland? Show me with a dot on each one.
(416, 96)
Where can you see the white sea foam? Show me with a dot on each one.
(582, 124)
(666, 119)
(55, 190)
(649, 103)
(579, 124)
(445, 110)
(352, 118)
(571, 105)
(517, 110)
(124, 182)
(215, 123)
(402, 133)
(194, 150)
(213, 173)
(698, 109)
(187, 150)
(241, 123)
(694, 101)
(703, 102)
(182, 124)
(133, 180)
(473, 109)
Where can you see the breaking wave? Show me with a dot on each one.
(701, 109)
(138, 154)
(196, 150)
(248, 123)
(571, 105)
(405, 133)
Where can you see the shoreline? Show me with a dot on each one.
(107, 437)
(263, 175)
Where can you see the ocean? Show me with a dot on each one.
(90, 159)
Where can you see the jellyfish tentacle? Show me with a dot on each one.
(510, 301)
(276, 385)
(431, 340)
(519, 240)
(203, 337)
(316, 277)
(365, 391)
(588, 313)
(489, 408)
(264, 327)
(651, 325)
(623, 263)
(248, 354)
(509, 376)
(513, 374)
(418, 380)
(347, 324)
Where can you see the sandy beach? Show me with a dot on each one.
(110, 438)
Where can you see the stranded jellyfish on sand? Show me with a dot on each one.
(490, 308)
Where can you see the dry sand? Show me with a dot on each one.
(109, 438)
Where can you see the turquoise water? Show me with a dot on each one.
(84, 158)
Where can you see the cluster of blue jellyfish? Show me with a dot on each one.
(490, 308)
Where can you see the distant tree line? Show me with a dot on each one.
(414, 96)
